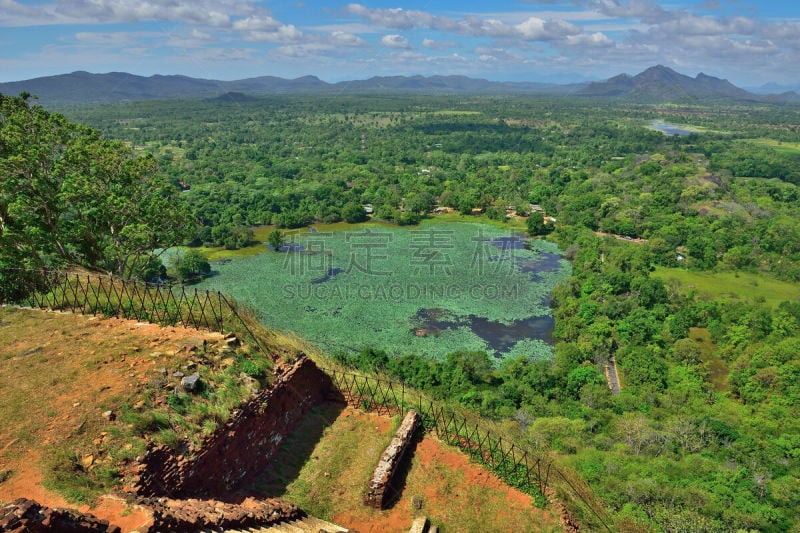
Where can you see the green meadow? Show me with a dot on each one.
(781, 146)
(744, 286)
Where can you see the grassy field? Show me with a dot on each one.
(786, 147)
(325, 464)
(743, 286)
(260, 233)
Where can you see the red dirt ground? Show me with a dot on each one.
(476, 493)
(103, 359)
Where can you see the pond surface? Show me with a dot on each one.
(430, 290)
(670, 129)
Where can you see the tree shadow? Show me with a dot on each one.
(294, 453)
(396, 486)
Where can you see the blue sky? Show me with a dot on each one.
(749, 42)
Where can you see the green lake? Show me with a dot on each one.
(431, 289)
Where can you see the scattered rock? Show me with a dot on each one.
(87, 461)
(27, 515)
(109, 415)
(178, 374)
(417, 502)
(162, 371)
(250, 382)
(191, 383)
(232, 341)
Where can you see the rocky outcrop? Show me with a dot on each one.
(239, 450)
(23, 515)
(389, 461)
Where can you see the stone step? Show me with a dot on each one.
(308, 524)
(419, 525)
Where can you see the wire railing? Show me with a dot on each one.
(90, 293)
(523, 469)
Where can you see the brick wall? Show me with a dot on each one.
(242, 448)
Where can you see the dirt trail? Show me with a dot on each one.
(612, 376)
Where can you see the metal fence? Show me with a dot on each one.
(530, 472)
(89, 293)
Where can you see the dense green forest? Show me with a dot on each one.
(67, 195)
(705, 433)
(290, 161)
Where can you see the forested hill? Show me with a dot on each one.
(656, 84)
(84, 87)
(662, 84)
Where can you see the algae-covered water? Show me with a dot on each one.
(431, 290)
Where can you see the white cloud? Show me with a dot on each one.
(341, 38)
(260, 22)
(594, 40)
(430, 44)
(536, 29)
(688, 24)
(283, 34)
(401, 19)
(209, 12)
(200, 35)
(394, 41)
(220, 55)
(497, 55)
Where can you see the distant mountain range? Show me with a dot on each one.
(662, 84)
(656, 84)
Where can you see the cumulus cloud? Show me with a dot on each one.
(401, 19)
(394, 41)
(208, 12)
(341, 38)
(594, 40)
(121, 38)
(531, 29)
(536, 29)
(430, 44)
(689, 24)
(283, 34)
(221, 55)
(497, 55)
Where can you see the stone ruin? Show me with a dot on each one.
(376, 495)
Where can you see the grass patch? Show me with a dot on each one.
(780, 146)
(118, 364)
(732, 286)
(72, 475)
(325, 464)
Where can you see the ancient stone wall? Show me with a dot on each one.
(239, 450)
(389, 461)
(207, 515)
(23, 515)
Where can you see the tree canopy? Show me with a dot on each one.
(70, 196)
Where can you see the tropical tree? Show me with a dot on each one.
(70, 196)
(276, 240)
